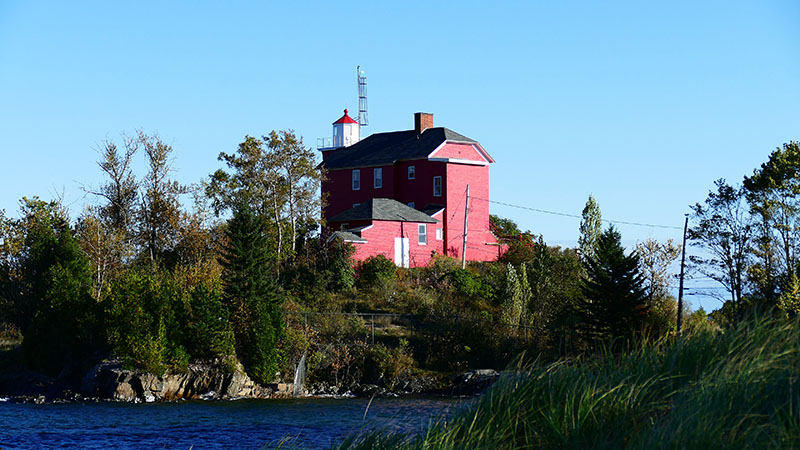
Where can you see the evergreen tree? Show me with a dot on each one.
(51, 285)
(615, 301)
(591, 228)
(250, 294)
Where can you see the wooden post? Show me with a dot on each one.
(680, 288)
(466, 219)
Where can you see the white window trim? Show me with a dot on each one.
(412, 173)
(356, 179)
(422, 227)
(439, 177)
(377, 177)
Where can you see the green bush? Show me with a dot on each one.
(207, 331)
(138, 312)
(388, 365)
(374, 270)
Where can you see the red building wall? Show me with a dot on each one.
(380, 241)
(478, 232)
(338, 186)
(420, 189)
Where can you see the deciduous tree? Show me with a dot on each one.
(655, 259)
(278, 175)
(723, 231)
(773, 192)
(590, 229)
(160, 210)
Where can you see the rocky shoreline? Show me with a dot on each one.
(108, 381)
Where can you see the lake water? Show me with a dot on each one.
(242, 424)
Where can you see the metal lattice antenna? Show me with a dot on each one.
(363, 119)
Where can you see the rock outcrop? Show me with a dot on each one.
(109, 381)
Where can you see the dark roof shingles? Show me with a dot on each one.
(383, 209)
(385, 148)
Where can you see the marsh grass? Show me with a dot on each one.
(732, 389)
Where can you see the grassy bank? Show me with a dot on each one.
(737, 389)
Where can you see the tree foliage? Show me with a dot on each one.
(278, 176)
(590, 229)
(655, 259)
(49, 279)
(250, 294)
(773, 192)
(615, 300)
(723, 230)
(160, 210)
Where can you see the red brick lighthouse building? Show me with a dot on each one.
(403, 194)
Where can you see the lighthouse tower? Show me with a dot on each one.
(346, 131)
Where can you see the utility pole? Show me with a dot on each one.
(683, 263)
(466, 218)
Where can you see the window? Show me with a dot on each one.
(423, 234)
(437, 186)
(411, 173)
(438, 234)
(377, 178)
(356, 179)
(411, 204)
(356, 205)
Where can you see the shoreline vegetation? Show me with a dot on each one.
(162, 300)
(734, 389)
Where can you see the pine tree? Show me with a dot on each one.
(251, 296)
(615, 300)
(591, 228)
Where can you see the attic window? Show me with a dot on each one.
(377, 175)
(437, 186)
(356, 179)
(411, 173)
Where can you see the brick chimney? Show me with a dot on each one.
(422, 121)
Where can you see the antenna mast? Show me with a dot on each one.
(363, 120)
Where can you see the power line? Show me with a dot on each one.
(576, 216)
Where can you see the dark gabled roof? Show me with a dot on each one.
(383, 209)
(385, 148)
(346, 236)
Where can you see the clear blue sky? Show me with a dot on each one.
(642, 104)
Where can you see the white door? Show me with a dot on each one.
(401, 252)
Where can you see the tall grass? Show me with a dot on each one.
(734, 389)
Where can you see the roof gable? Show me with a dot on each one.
(459, 152)
(383, 209)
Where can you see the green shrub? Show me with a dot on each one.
(389, 365)
(138, 311)
(374, 270)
